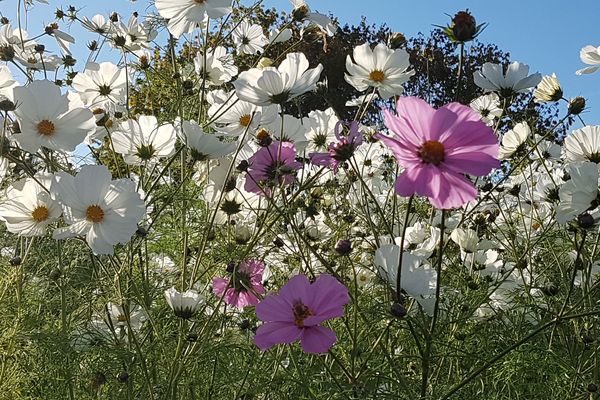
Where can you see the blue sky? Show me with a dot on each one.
(546, 35)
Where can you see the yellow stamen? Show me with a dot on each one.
(45, 127)
(40, 214)
(94, 213)
(377, 76)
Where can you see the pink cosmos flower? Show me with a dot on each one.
(437, 148)
(296, 312)
(270, 167)
(241, 288)
(341, 151)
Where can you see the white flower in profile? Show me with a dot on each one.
(466, 239)
(577, 194)
(101, 83)
(488, 107)
(97, 24)
(513, 139)
(105, 211)
(301, 12)
(418, 280)
(217, 67)
(46, 118)
(185, 304)
(516, 80)
(381, 68)
(28, 208)
(272, 85)
(7, 83)
(548, 89)
(589, 55)
(277, 36)
(63, 39)
(134, 36)
(33, 60)
(185, 15)
(204, 146)
(584, 144)
(249, 38)
(144, 140)
(120, 313)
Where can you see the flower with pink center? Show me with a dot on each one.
(297, 312)
(340, 151)
(437, 148)
(242, 287)
(270, 167)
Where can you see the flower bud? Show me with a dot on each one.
(264, 62)
(576, 105)
(343, 247)
(398, 310)
(397, 40)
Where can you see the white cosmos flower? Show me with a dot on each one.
(185, 304)
(144, 140)
(47, 119)
(513, 139)
(577, 194)
(381, 68)
(7, 83)
(204, 146)
(548, 89)
(233, 117)
(249, 38)
(516, 80)
(589, 55)
(28, 208)
(33, 60)
(419, 281)
(277, 36)
(488, 107)
(321, 129)
(287, 129)
(101, 83)
(584, 144)
(185, 15)
(302, 12)
(278, 85)
(106, 212)
(97, 24)
(217, 67)
(137, 315)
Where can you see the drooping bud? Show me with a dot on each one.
(576, 105)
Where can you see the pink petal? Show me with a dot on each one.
(274, 308)
(402, 129)
(272, 333)
(416, 114)
(454, 191)
(405, 152)
(479, 164)
(317, 339)
(328, 299)
(220, 285)
(469, 134)
(416, 180)
(296, 289)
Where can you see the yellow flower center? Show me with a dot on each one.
(262, 134)
(40, 214)
(121, 318)
(94, 213)
(377, 76)
(245, 120)
(45, 127)
(432, 152)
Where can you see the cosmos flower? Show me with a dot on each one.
(217, 67)
(29, 208)
(271, 167)
(513, 139)
(249, 38)
(381, 68)
(297, 312)
(101, 83)
(144, 140)
(342, 150)
(583, 144)
(589, 55)
(7, 83)
(204, 146)
(242, 287)
(185, 304)
(548, 89)
(106, 212)
(488, 107)
(272, 85)
(437, 148)
(577, 194)
(516, 80)
(47, 119)
(185, 15)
